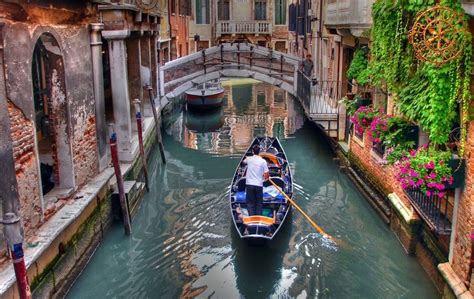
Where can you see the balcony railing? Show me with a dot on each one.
(247, 27)
(433, 210)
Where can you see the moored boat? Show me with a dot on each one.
(205, 96)
(275, 206)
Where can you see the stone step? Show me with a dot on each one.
(133, 193)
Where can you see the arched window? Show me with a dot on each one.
(280, 12)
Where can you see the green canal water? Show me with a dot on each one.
(183, 242)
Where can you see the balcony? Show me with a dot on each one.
(435, 211)
(349, 17)
(247, 27)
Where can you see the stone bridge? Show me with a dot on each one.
(229, 60)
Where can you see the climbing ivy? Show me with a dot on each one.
(425, 93)
(358, 68)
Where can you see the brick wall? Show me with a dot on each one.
(85, 156)
(26, 167)
(382, 176)
(465, 221)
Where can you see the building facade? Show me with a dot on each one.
(260, 22)
(69, 73)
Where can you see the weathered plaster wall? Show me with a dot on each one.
(80, 97)
(72, 111)
(462, 250)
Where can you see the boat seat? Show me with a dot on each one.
(258, 220)
(277, 180)
(274, 171)
(271, 157)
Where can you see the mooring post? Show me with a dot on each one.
(157, 124)
(118, 174)
(138, 116)
(12, 231)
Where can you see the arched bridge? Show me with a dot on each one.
(230, 60)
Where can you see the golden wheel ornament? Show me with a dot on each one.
(147, 5)
(438, 35)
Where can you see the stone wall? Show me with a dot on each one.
(382, 176)
(26, 167)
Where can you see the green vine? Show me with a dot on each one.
(424, 93)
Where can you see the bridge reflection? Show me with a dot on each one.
(250, 108)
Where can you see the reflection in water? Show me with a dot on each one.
(184, 244)
(249, 110)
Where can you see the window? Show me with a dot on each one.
(280, 12)
(223, 10)
(260, 9)
(173, 6)
(292, 17)
(185, 7)
(202, 11)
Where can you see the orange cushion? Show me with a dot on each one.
(258, 220)
(270, 157)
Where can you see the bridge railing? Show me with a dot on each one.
(248, 27)
(319, 97)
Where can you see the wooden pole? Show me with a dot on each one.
(157, 124)
(138, 116)
(118, 174)
(293, 203)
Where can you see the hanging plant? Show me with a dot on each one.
(362, 119)
(426, 169)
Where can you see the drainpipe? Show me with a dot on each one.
(98, 75)
(12, 228)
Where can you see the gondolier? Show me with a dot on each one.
(257, 173)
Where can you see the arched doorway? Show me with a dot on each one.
(51, 115)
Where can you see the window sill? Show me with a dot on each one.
(359, 141)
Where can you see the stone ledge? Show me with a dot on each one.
(65, 218)
(455, 284)
(407, 213)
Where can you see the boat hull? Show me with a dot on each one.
(207, 100)
(260, 229)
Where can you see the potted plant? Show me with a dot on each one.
(426, 169)
(393, 132)
(362, 119)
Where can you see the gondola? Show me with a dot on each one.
(261, 228)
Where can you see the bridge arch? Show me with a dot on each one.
(236, 60)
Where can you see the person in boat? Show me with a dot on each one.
(257, 173)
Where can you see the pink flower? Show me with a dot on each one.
(428, 193)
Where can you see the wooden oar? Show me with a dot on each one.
(317, 227)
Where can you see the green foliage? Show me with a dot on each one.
(425, 93)
(358, 69)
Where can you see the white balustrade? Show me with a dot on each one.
(247, 27)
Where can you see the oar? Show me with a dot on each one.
(317, 227)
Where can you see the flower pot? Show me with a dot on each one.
(459, 173)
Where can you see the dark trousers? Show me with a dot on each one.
(254, 198)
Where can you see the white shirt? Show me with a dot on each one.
(256, 167)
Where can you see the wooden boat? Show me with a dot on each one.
(205, 96)
(275, 206)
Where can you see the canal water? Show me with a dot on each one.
(183, 242)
